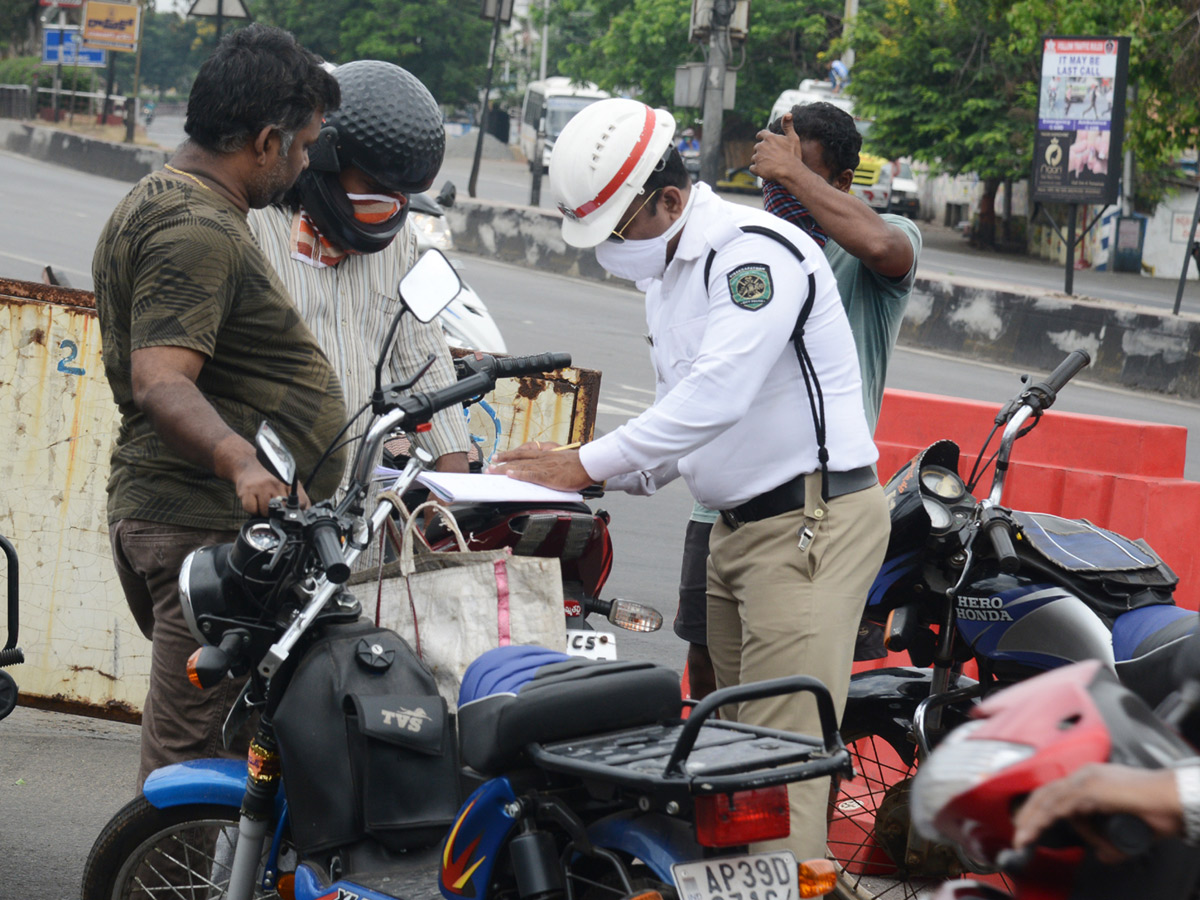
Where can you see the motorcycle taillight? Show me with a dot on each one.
(727, 820)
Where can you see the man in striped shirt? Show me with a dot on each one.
(340, 241)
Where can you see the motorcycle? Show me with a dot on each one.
(1016, 593)
(1026, 736)
(11, 654)
(582, 778)
(465, 321)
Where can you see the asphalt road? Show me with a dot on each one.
(61, 777)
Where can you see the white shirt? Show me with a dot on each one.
(731, 413)
(349, 308)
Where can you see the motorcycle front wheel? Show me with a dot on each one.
(183, 852)
(868, 832)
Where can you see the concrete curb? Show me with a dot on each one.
(124, 162)
(1022, 327)
(1017, 326)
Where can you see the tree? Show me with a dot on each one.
(17, 18)
(941, 84)
(442, 42)
(955, 82)
(633, 48)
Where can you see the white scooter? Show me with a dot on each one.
(466, 321)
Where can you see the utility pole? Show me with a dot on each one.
(711, 151)
(483, 108)
(848, 14)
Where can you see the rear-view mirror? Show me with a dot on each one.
(273, 454)
(430, 285)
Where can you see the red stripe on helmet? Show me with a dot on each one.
(635, 156)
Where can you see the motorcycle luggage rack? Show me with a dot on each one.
(700, 756)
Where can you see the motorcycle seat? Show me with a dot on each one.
(1145, 642)
(515, 696)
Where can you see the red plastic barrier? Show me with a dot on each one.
(1118, 474)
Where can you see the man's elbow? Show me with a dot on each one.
(889, 256)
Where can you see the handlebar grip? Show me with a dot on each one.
(420, 408)
(1129, 834)
(515, 366)
(996, 528)
(329, 551)
(1067, 369)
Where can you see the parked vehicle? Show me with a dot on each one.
(548, 106)
(905, 199)
(466, 321)
(1026, 736)
(11, 654)
(966, 579)
(583, 779)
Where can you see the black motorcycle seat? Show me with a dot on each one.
(1145, 643)
(516, 696)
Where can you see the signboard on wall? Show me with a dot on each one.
(113, 26)
(1081, 119)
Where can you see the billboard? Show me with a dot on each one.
(1080, 119)
(113, 26)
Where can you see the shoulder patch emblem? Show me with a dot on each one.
(750, 286)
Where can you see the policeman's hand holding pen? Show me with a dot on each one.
(544, 463)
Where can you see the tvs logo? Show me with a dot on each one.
(406, 719)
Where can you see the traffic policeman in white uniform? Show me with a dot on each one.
(796, 548)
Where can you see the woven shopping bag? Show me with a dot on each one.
(453, 606)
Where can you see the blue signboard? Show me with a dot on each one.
(65, 45)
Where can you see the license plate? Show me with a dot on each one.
(755, 876)
(591, 644)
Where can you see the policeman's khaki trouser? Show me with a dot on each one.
(774, 611)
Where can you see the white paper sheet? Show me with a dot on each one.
(456, 487)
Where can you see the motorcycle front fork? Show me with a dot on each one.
(262, 783)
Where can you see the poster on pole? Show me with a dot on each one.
(113, 26)
(1081, 120)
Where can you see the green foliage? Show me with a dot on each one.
(942, 85)
(442, 42)
(634, 47)
(955, 82)
(17, 18)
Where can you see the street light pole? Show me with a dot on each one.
(487, 90)
(711, 151)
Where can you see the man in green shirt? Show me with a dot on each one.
(201, 343)
(807, 161)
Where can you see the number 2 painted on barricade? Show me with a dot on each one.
(73, 351)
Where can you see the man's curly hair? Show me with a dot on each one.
(830, 127)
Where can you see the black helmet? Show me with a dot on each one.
(389, 126)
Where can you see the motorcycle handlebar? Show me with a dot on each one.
(511, 366)
(996, 527)
(516, 366)
(1044, 393)
(418, 408)
(326, 542)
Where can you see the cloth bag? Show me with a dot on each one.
(454, 606)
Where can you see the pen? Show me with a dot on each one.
(573, 446)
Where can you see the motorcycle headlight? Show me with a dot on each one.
(957, 766)
(201, 592)
(432, 231)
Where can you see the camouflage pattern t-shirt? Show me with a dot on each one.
(176, 266)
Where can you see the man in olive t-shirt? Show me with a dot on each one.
(200, 344)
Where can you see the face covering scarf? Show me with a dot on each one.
(778, 202)
(641, 260)
(312, 248)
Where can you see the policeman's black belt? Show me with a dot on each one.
(790, 496)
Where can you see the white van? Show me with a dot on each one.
(553, 101)
(813, 91)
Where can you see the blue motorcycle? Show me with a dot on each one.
(966, 579)
(558, 778)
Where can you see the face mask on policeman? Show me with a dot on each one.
(629, 253)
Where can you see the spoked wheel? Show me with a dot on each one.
(868, 832)
(181, 853)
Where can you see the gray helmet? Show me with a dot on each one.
(389, 126)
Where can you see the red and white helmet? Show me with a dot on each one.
(600, 162)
